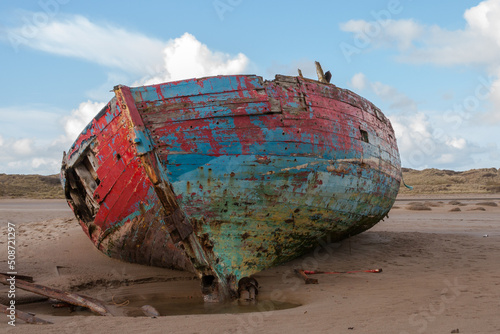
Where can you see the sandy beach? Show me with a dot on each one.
(440, 273)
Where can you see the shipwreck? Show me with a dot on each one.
(226, 176)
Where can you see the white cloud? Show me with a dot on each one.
(14, 166)
(478, 43)
(23, 146)
(27, 139)
(494, 114)
(382, 33)
(80, 117)
(422, 144)
(30, 156)
(358, 81)
(32, 165)
(40, 152)
(186, 57)
(136, 54)
(485, 19)
(76, 36)
(45, 164)
(404, 32)
(459, 143)
(428, 139)
(397, 100)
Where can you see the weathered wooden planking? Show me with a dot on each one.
(195, 87)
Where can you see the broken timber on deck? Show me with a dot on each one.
(229, 175)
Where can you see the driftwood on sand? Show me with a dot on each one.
(68, 297)
(29, 318)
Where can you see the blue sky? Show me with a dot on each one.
(432, 67)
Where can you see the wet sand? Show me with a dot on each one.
(33, 210)
(440, 273)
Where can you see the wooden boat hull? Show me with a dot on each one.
(226, 176)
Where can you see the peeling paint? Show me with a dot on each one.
(296, 167)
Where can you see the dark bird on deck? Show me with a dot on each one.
(328, 76)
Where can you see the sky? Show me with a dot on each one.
(432, 67)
